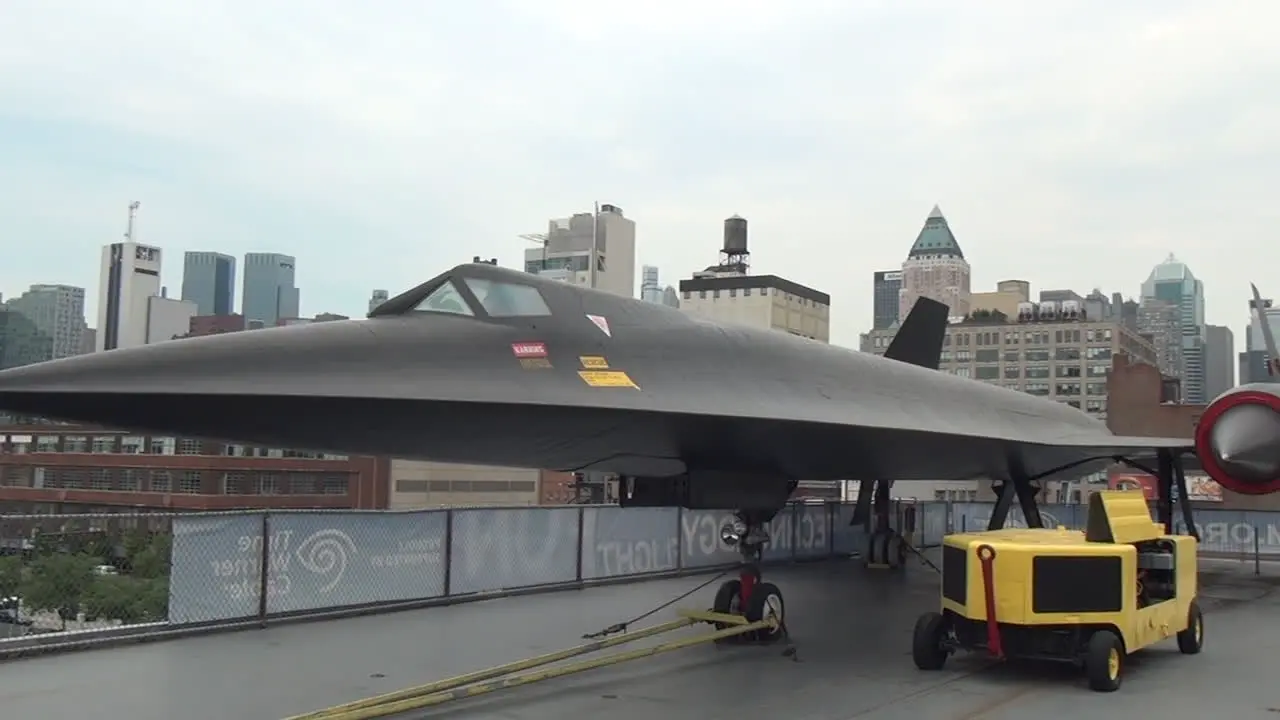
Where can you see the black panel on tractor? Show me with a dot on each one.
(955, 574)
(1076, 584)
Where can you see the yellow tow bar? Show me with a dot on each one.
(482, 682)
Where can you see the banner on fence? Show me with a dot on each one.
(502, 548)
(330, 560)
(316, 561)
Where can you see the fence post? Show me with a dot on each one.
(582, 520)
(264, 572)
(832, 509)
(679, 539)
(1257, 553)
(794, 522)
(448, 552)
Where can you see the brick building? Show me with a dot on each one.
(1142, 402)
(49, 467)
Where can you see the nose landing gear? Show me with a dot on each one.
(748, 595)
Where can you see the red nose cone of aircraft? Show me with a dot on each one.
(1238, 440)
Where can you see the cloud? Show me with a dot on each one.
(1072, 144)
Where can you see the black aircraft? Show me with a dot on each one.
(487, 365)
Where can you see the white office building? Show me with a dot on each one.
(168, 318)
(565, 250)
(128, 279)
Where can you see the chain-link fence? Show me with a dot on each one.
(64, 576)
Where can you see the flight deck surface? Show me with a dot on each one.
(851, 630)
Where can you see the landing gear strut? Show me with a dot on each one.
(885, 548)
(748, 595)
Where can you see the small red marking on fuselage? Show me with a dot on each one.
(529, 350)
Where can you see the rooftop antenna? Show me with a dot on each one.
(133, 213)
(539, 239)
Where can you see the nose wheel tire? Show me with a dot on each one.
(766, 602)
(1191, 640)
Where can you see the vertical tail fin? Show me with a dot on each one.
(1273, 360)
(919, 338)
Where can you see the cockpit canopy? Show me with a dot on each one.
(496, 299)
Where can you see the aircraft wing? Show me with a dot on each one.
(492, 366)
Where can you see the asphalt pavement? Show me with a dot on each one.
(851, 630)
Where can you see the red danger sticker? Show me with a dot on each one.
(529, 350)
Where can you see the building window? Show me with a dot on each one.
(74, 478)
(1099, 353)
(1067, 371)
(163, 445)
(302, 484)
(46, 443)
(986, 356)
(75, 444)
(334, 484)
(104, 444)
(190, 482)
(161, 481)
(1067, 353)
(233, 483)
(133, 445)
(189, 446)
(987, 372)
(269, 484)
(129, 479)
(100, 479)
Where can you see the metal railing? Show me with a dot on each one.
(75, 580)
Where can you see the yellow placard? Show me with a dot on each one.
(607, 378)
(594, 362)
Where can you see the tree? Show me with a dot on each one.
(10, 576)
(59, 583)
(146, 555)
(127, 599)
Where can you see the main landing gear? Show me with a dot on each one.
(885, 549)
(748, 595)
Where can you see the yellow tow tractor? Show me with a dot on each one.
(1091, 598)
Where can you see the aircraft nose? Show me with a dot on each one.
(1244, 441)
(247, 362)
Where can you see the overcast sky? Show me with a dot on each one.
(1072, 143)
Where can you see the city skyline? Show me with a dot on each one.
(291, 295)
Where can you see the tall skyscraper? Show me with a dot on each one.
(21, 342)
(209, 282)
(1160, 321)
(1172, 282)
(887, 286)
(1219, 361)
(566, 249)
(129, 276)
(270, 294)
(935, 268)
(651, 289)
(58, 313)
(377, 298)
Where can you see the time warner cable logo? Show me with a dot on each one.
(326, 553)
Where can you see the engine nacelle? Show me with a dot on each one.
(1238, 439)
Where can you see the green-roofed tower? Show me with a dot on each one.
(936, 238)
(935, 268)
